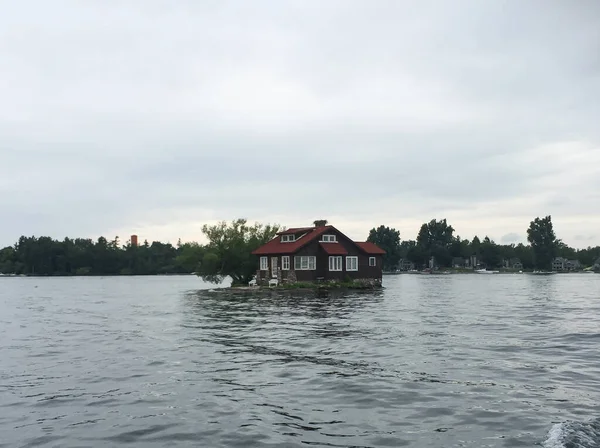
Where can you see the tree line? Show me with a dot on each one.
(436, 240)
(228, 252)
(80, 256)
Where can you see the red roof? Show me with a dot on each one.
(295, 230)
(371, 248)
(333, 248)
(275, 246)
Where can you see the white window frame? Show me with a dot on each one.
(352, 263)
(264, 263)
(288, 238)
(335, 263)
(329, 239)
(372, 261)
(305, 263)
(274, 266)
(285, 263)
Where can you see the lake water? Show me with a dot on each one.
(431, 361)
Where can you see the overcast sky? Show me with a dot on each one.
(154, 117)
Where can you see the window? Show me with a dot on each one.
(372, 261)
(335, 263)
(288, 238)
(329, 239)
(274, 266)
(305, 263)
(264, 264)
(352, 263)
(285, 263)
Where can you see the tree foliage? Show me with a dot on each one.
(229, 250)
(389, 240)
(435, 239)
(80, 256)
(490, 253)
(544, 244)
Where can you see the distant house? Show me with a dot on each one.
(319, 253)
(558, 264)
(561, 264)
(513, 263)
(472, 261)
(406, 265)
(432, 263)
(459, 262)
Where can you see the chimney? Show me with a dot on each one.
(134, 240)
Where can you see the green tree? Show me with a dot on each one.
(563, 250)
(507, 251)
(435, 238)
(542, 239)
(389, 240)
(460, 248)
(189, 256)
(417, 254)
(7, 260)
(525, 254)
(589, 256)
(45, 256)
(491, 253)
(229, 250)
(405, 246)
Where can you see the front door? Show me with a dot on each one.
(274, 266)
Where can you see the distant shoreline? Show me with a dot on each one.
(92, 275)
(471, 271)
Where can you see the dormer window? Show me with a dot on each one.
(288, 238)
(329, 239)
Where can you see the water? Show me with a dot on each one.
(432, 361)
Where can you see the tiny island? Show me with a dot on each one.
(319, 256)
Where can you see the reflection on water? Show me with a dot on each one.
(431, 361)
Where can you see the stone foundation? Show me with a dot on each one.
(291, 277)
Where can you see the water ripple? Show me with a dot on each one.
(452, 361)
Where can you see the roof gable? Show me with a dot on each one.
(276, 247)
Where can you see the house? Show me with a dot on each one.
(559, 264)
(319, 253)
(406, 265)
(432, 264)
(513, 263)
(562, 264)
(472, 262)
(459, 262)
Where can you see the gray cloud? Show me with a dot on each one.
(585, 237)
(157, 116)
(512, 238)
